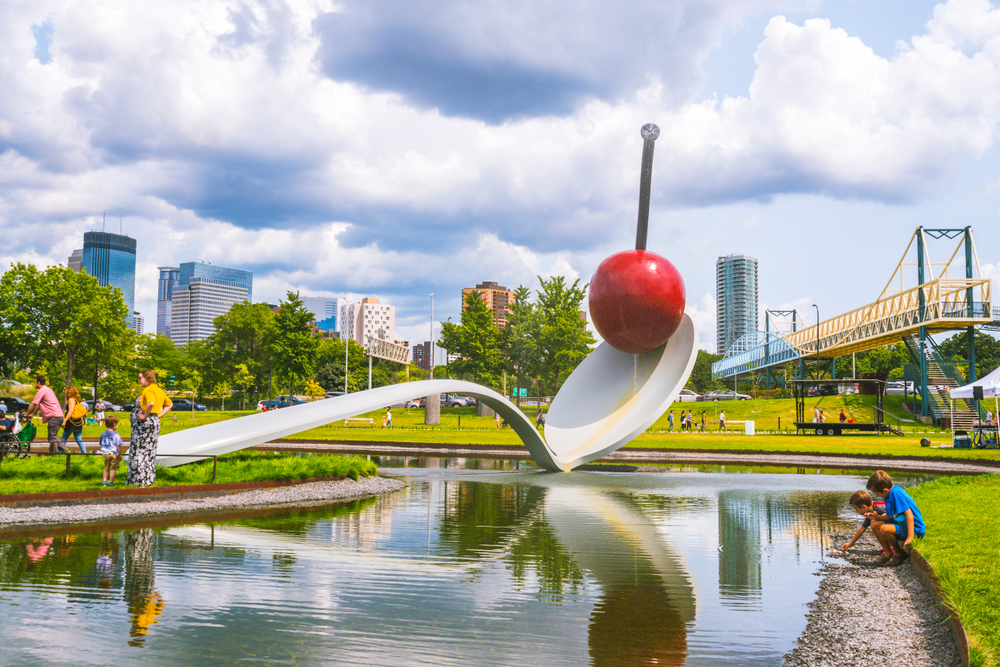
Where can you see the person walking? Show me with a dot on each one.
(388, 417)
(99, 408)
(703, 421)
(72, 423)
(722, 420)
(153, 404)
(46, 405)
(670, 420)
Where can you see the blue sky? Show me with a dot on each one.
(394, 149)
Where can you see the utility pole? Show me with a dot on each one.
(432, 336)
(817, 340)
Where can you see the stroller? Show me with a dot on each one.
(17, 441)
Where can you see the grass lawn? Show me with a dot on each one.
(965, 559)
(48, 473)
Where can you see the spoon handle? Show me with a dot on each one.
(649, 134)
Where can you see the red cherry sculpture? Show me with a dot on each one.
(636, 300)
(637, 297)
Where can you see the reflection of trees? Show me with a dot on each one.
(748, 519)
(501, 519)
(144, 604)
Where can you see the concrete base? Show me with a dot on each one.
(432, 410)
(926, 420)
(484, 410)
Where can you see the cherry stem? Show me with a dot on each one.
(649, 134)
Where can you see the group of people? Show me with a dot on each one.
(893, 518)
(152, 405)
(687, 420)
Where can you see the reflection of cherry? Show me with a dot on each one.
(637, 297)
(636, 300)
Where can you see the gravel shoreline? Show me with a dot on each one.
(865, 615)
(299, 495)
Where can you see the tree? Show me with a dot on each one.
(701, 375)
(244, 378)
(293, 346)
(330, 365)
(243, 335)
(313, 390)
(476, 341)
(987, 351)
(222, 390)
(563, 338)
(521, 338)
(62, 319)
(192, 383)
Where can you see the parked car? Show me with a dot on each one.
(724, 395)
(470, 400)
(332, 394)
(14, 404)
(898, 387)
(686, 396)
(108, 405)
(823, 390)
(185, 404)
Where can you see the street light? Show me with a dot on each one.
(817, 340)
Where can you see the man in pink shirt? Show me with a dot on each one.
(48, 408)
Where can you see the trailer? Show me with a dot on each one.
(804, 390)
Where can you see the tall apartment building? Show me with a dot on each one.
(138, 323)
(367, 318)
(325, 310)
(170, 277)
(75, 260)
(203, 292)
(111, 259)
(422, 355)
(496, 297)
(736, 299)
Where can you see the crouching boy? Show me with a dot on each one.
(110, 444)
(900, 523)
(863, 504)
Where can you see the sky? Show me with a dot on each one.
(398, 149)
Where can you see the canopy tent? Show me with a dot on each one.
(990, 385)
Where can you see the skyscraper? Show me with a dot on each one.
(138, 323)
(736, 299)
(325, 310)
(111, 259)
(203, 292)
(75, 260)
(368, 318)
(170, 276)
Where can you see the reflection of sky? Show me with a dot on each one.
(382, 585)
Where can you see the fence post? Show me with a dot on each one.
(215, 460)
(67, 465)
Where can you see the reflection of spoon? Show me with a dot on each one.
(614, 396)
(647, 600)
(608, 400)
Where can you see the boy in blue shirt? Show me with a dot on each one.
(900, 523)
(110, 444)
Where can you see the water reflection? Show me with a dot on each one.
(466, 566)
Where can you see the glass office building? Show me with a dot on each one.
(202, 293)
(111, 259)
(325, 310)
(736, 299)
(170, 277)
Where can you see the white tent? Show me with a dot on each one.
(990, 385)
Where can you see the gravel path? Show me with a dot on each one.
(943, 466)
(302, 494)
(857, 604)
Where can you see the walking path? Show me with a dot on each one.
(908, 628)
(792, 460)
(300, 495)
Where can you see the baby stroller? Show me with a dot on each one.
(16, 442)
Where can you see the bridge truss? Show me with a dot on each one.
(936, 303)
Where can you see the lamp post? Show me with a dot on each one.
(817, 340)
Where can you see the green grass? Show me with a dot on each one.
(48, 474)
(965, 558)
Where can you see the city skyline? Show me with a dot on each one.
(791, 131)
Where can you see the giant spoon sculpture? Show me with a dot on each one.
(622, 387)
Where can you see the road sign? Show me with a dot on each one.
(522, 392)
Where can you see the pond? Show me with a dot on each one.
(473, 567)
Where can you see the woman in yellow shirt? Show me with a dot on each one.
(145, 420)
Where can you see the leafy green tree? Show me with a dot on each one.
(220, 391)
(987, 351)
(62, 319)
(521, 339)
(243, 335)
(701, 375)
(158, 351)
(888, 360)
(244, 378)
(330, 365)
(476, 341)
(563, 338)
(293, 346)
